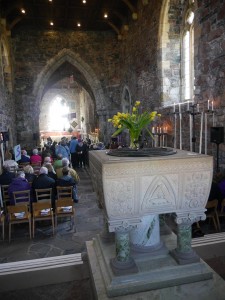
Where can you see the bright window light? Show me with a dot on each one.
(58, 115)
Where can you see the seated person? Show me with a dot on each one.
(35, 158)
(6, 177)
(24, 157)
(9, 161)
(51, 171)
(57, 165)
(46, 153)
(73, 173)
(43, 181)
(18, 184)
(29, 173)
(68, 180)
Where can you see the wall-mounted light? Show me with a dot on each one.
(78, 24)
(105, 15)
(51, 23)
(84, 1)
(23, 11)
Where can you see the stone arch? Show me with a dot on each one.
(54, 63)
(169, 58)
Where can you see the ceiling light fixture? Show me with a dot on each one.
(84, 1)
(50, 0)
(51, 23)
(78, 24)
(105, 15)
(23, 11)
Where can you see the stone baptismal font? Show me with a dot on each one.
(136, 192)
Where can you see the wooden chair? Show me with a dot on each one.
(2, 222)
(42, 211)
(212, 213)
(18, 214)
(64, 208)
(5, 196)
(221, 212)
(44, 195)
(22, 197)
(64, 192)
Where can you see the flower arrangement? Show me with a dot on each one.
(134, 122)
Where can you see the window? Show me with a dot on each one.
(188, 55)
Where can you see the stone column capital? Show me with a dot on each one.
(189, 218)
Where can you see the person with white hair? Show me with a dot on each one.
(72, 172)
(43, 181)
(24, 157)
(18, 184)
(35, 158)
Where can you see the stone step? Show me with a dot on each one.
(209, 239)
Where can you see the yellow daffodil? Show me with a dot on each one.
(134, 122)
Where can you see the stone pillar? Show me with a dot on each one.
(123, 263)
(146, 237)
(184, 254)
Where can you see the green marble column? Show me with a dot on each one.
(123, 263)
(184, 254)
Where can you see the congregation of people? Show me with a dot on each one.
(55, 165)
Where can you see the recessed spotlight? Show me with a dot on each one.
(105, 15)
(78, 24)
(51, 23)
(23, 11)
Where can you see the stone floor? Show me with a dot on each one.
(88, 223)
(67, 240)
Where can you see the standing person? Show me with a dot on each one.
(74, 158)
(82, 153)
(63, 149)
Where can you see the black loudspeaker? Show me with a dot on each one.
(5, 136)
(217, 135)
(35, 136)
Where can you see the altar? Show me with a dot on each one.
(134, 193)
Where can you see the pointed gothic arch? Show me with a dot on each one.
(74, 59)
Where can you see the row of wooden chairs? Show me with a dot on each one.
(214, 213)
(23, 212)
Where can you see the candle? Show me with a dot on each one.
(180, 129)
(190, 122)
(208, 104)
(206, 137)
(198, 108)
(212, 105)
(175, 131)
(201, 129)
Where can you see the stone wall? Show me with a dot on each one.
(34, 50)
(7, 112)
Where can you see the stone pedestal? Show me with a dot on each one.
(155, 273)
(133, 188)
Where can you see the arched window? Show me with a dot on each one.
(187, 70)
